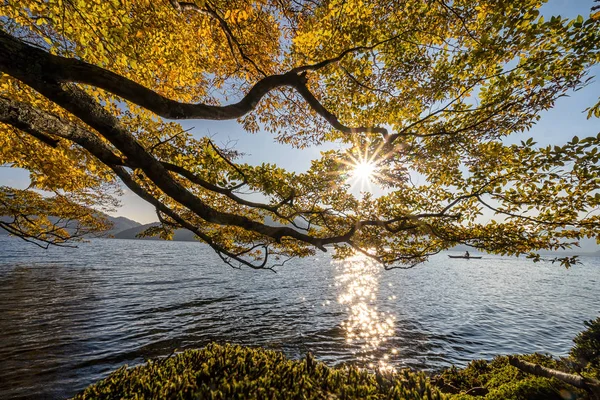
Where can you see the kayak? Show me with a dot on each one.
(464, 257)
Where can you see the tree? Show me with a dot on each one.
(90, 92)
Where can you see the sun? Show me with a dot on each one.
(363, 171)
(363, 167)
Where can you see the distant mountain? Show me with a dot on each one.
(180, 234)
(119, 224)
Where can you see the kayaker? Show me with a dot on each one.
(467, 255)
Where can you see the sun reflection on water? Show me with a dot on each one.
(366, 328)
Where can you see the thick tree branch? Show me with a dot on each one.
(42, 137)
(33, 121)
(23, 61)
(13, 112)
(29, 119)
(30, 64)
(590, 385)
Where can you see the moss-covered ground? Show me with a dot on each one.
(236, 372)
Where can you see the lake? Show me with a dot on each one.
(70, 316)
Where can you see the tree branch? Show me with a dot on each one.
(329, 61)
(590, 385)
(330, 117)
(23, 61)
(37, 68)
(13, 112)
(231, 39)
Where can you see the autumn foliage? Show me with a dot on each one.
(91, 90)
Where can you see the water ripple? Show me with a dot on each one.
(70, 316)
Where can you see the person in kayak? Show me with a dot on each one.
(467, 255)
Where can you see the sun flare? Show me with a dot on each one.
(364, 171)
(364, 167)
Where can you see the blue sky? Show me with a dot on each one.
(557, 126)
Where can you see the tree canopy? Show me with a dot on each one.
(91, 90)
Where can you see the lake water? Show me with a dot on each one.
(70, 316)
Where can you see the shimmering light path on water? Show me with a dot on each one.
(70, 316)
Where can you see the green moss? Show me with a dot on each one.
(533, 388)
(585, 355)
(474, 375)
(235, 372)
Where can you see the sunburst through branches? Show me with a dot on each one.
(364, 168)
(364, 171)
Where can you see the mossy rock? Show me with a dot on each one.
(235, 372)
